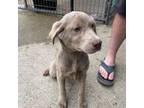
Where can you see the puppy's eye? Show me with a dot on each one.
(77, 29)
(93, 27)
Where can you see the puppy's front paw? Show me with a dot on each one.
(46, 72)
(62, 104)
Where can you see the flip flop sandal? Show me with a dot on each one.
(101, 79)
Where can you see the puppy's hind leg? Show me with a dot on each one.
(46, 72)
(51, 70)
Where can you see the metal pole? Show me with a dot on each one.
(108, 11)
(72, 5)
(25, 3)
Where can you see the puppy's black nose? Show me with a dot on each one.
(97, 45)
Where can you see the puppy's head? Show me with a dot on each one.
(77, 31)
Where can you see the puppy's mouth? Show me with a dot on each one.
(94, 48)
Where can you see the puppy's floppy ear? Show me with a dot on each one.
(57, 28)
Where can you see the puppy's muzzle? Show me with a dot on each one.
(97, 46)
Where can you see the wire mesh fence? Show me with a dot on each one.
(98, 8)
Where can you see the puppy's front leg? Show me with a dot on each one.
(62, 92)
(81, 93)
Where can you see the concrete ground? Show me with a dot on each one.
(35, 54)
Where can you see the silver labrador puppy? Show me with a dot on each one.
(76, 32)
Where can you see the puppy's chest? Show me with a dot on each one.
(76, 68)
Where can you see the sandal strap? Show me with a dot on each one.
(109, 69)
